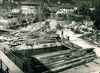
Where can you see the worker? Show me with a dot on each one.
(68, 37)
(62, 34)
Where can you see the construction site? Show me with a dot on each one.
(49, 36)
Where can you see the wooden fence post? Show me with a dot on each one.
(1, 64)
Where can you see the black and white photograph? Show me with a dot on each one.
(49, 36)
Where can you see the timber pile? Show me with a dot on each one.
(61, 60)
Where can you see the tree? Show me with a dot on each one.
(47, 12)
(95, 16)
(57, 1)
(67, 1)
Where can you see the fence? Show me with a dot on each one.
(15, 59)
(4, 68)
(25, 66)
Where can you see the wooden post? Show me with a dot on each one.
(7, 70)
(0, 64)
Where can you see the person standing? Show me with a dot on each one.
(62, 34)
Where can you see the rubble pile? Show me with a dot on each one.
(93, 38)
(33, 35)
(81, 27)
(86, 30)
